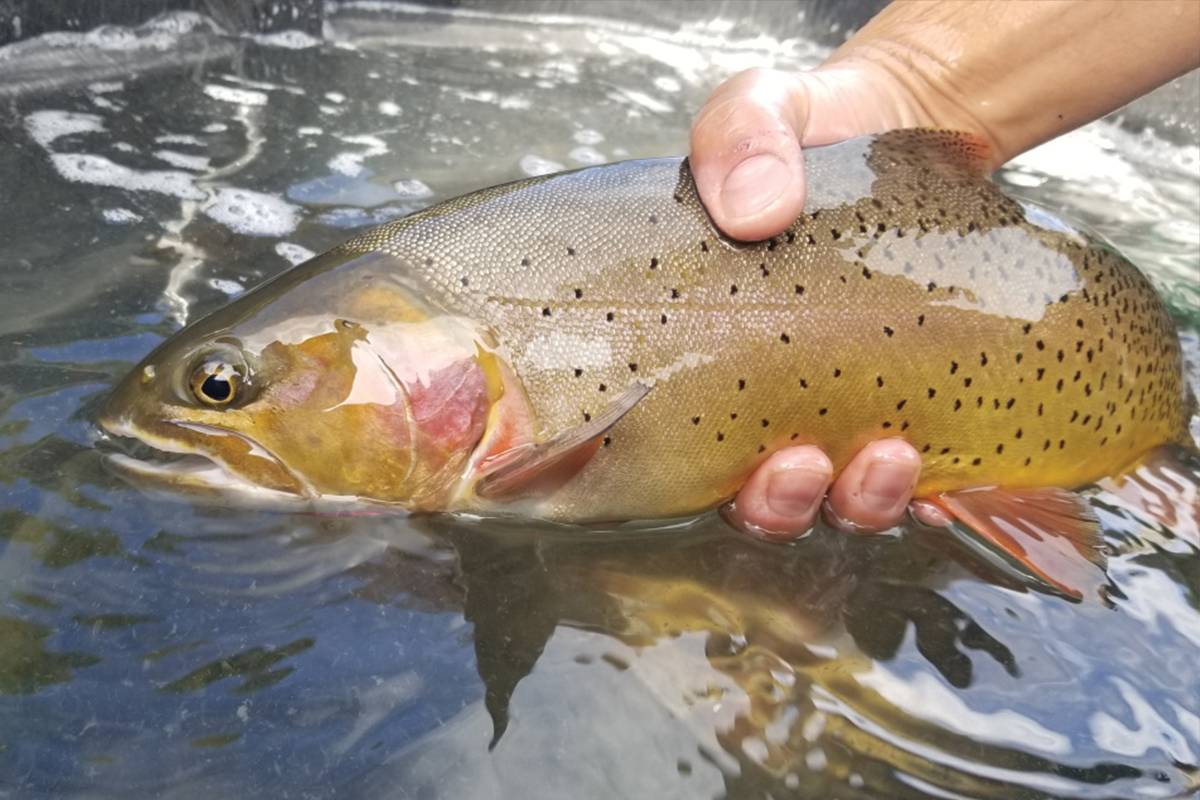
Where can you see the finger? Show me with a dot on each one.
(781, 500)
(745, 154)
(874, 489)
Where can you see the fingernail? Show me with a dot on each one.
(754, 184)
(886, 484)
(796, 492)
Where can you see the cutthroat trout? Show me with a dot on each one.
(586, 347)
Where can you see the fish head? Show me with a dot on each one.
(368, 399)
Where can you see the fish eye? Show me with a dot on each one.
(218, 381)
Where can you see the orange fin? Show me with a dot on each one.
(540, 467)
(1164, 488)
(1052, 533)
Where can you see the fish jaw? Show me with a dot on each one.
(179, 463)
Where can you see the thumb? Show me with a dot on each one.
(745, 153)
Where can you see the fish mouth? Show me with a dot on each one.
(153, 463)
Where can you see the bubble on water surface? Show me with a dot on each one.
(120, 216)
(293, 253)
(253, 213)
(228, 94)
(412, 189)
(588, 156)
(536, 165)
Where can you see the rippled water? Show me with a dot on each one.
(151, 649)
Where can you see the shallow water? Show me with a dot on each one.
(148, 648)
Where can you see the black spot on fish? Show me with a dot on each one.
(967, 382)
(632, 367)
(587, 417)
(464, 281)
(900, 405)
(888, 331)
(866, 273)
(429, 262)
(578, 372)
(663, 319)
(983, 359)
(945, 450)
(953, 367)
(733, 289)
(678, 198)
(1060, 385)
(783, 337)
(1046, 446)
(720, 436)
(741, 384)
(1027, 327)
(837, 372)
(1079, 323)
(920, 320)
(929, 287)
(653, 219)
(703, 246)
(1041, 345)
(1019, 357)
(1020, 433)
(653, 263)
(1062, 443)
(957, 404)
(604, 387)
(766, 273)
(879, 381)
(1041, 372)
(887, 424)
(695, 420)
(578, 294)
(524, 262)
(799, 289)
(976, 462)
(766, 423)
(570, 251)
(823, 411)
(609, 316)
(932, 392)
(1011, 402)
(733, 415)
(545, 312)
(607, 441)
(803, 383)
(762, 448)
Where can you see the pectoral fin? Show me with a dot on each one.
(1052, 533)
(539, 467)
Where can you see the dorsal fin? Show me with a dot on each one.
(1051, 532)
(541, 466)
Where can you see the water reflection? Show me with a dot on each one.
(150, 649)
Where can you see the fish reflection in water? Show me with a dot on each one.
(840, 667)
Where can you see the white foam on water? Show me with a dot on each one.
(229, 94)
(288, 40)
(49, 124)
(253, 213)
(227, 287)
(587, 156)
(183, 160)
(100, 171)
(388, 108)
(179, 138)
(536, 165)
(120, 216)
(588, 136)
(293, 253)
(412, 189)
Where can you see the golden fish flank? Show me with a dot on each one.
(586, 347)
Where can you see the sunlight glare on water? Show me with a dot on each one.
(150, 649)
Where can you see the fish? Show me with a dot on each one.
(587, 348)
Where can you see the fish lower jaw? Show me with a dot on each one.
(192, 474)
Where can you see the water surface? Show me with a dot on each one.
(150, 649)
